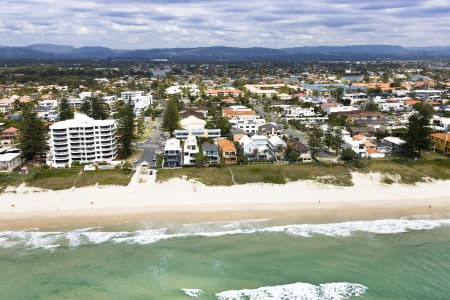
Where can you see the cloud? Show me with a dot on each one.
(189, 23)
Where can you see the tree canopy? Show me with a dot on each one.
(171, 116)
(418, 132)
(125, 129)
(65, 113)
(33, 135)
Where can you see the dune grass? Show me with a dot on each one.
(265, 173)
(408, 171)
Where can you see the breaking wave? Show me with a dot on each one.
(298, 291)
(92, 236)
(193, 293)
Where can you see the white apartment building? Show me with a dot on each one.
(82, 139)
(51, 104)
(139, 100)
(291, 112)
(249, 125)
(75, 103)
(190, 151)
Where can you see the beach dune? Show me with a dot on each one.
(186, 200)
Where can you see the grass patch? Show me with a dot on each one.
(208, 176)
(54, 179)
(104, 177)
(409, 171)
(10, 179)
(275, 174)
(59, 179)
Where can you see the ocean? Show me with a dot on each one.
(253, 259)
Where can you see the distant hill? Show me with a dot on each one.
(226, 54)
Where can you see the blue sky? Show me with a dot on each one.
(135, 24)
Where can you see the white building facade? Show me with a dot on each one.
(138, 99)
(82, 139)
(190, 151)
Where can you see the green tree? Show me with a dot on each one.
(65, 113)
(417, 135)
(224, 126)
(125, 129)
(337, 141)
(86, 107)
(292, 154)
(171, 116)
(328, 139)
(371, 106)
(348, 155)
(94, 108)
(315, 141)
(98, 109)
(200, 159)
(33, 134)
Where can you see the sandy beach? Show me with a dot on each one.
(180, 200)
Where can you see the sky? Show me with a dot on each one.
(144, 24)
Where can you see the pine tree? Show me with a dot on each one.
(98, 109)
(417, 135)
(86, 107)
(65, 113)
(171, 116)
(337, 141)
(94, 108)
(315, 141)
(125, 128)
(33, 135)
(328, 139)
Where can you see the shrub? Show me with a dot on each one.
(348, 155)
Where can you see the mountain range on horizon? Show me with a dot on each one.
(226, 54)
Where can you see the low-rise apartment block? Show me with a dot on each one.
(82, 139)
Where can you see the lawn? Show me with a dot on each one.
(267, 173)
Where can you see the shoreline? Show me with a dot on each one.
(183, 201)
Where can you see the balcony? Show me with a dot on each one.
(59, 131)
(60, 145)
(61, 154)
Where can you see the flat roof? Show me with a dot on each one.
(9, 156)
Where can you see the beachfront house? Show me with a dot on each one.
(211, 153)
(10, 159)
(394, 145)
(303, 151)
(227, 151)
(277, 147)
(83, 140)
(255, 147)
(172, 154)
(190, 151)
(441, 142)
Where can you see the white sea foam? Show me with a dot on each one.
(47, 240)
(297, 291)
(194, 293)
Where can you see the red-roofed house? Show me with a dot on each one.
(9, 135)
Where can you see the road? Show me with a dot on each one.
(151, 146)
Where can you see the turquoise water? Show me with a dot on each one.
(392, 259)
